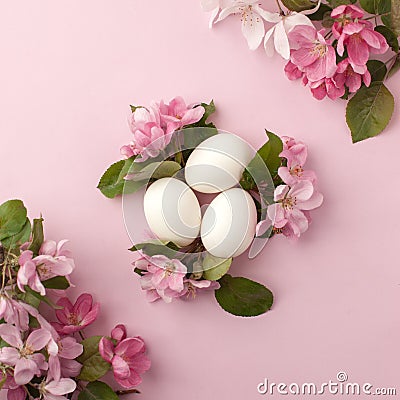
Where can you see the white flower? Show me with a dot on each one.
(277, 37)
(252, 16)
(214, 6)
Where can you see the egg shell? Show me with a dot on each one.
(217, 164)
(229, 224)
(172, 211)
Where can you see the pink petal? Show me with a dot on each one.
(371, 37)
(83, 305)
(70, 348)
(18, 393)
(106, 349)
(130, 347)
(140, 363)
(298, 222)
(353, 82)
(133, 380)
(9, 355)
(312, 203)
(25, 369)
(38, 339)
(11, 335)
(91, 316)
(119, 333)
(64, 313)
(63, 386)
(303, 191)
(49, 247)
(358, 51)
(193, 115)
(303, 57)
(120, 367)
(54, 368)
(70, 368)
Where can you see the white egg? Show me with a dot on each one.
(217, 164)
(172, 211)
(229, 224)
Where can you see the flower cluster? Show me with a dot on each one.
(42, 352)
(296, 196)
(163, 278)
(314, 57)
(279, 193)
(152, 127)
(330, 49)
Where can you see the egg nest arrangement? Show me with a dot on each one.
(206, 197)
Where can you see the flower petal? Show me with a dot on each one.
(253, 30)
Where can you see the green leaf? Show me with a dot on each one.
(299, 5)
(377, 70)
(269, 153)
(153, 249)
(30, 299)
(369, 111)
(156, 170)
(97, 391)
(390, 37)
(39, 297)
(215, 268)
(12, 218)
(166, 169)
(337, 3)
(375, 6)
(37, 236)
(243, 297)
(58, 282)
(394, 68)
(21, 237)
(112, 183)
(93, 364)
(320, 13)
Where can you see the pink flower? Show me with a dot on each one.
(53, 260)
(296, 157)
(27, 274)
(148, 136)
(191, 287)
(346, 76)
(55, 390)
(326, 87)
(23, 355)
(128, 360)
(314, 55)
(177, 114)
(13, 312)
(63, 362)
(291, 202)
(347, 20)
(76, 317)
(163, 279)
(357, 36)
(292, 71)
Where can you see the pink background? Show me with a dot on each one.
(70, 69)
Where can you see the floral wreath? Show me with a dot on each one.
(273, 182)
(44, 353)
(328, 47)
